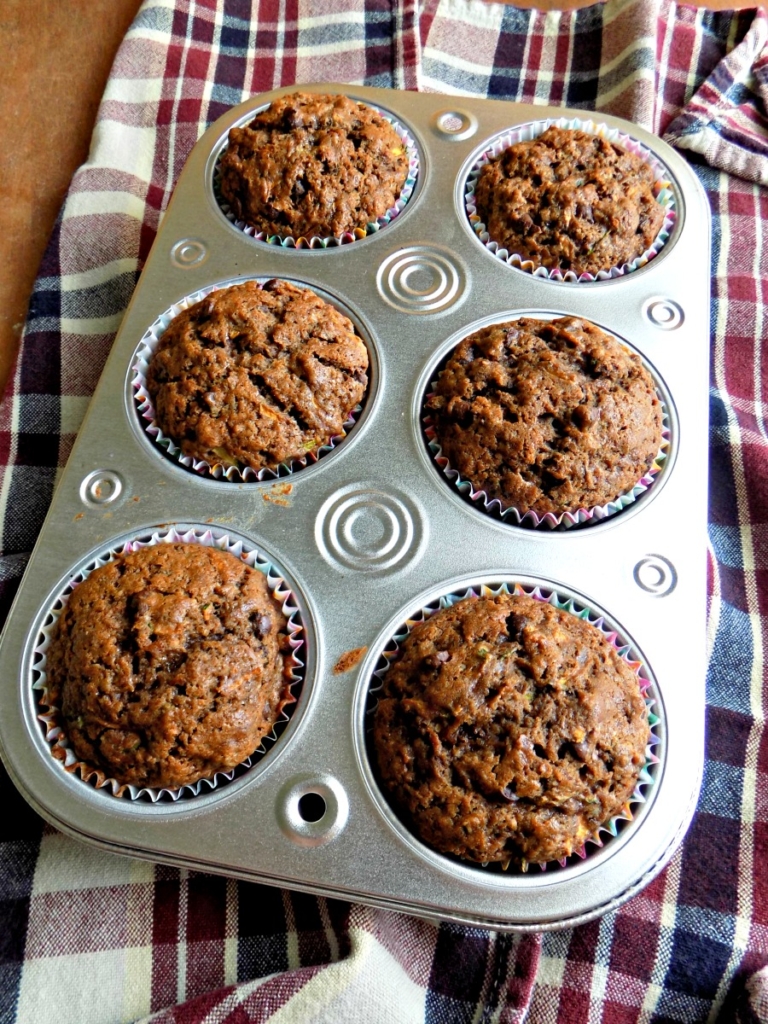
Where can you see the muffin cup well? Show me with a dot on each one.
(234, 472)
(507, 512)
(662, 189)
(328, 241)
(50, 715)
(621, 644)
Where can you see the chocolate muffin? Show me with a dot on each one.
(167, 665)
(570, 200)
(547, 416)
(312, 165)
(509, 730)
(253, 376)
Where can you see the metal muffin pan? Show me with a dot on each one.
(371, 533)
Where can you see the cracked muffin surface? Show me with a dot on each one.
(167, 664)
(569, 200)
(257, 376)
(313, 165)
(547, 416)
(509, 730)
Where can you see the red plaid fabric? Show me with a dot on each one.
(727, 120)
(92, 938)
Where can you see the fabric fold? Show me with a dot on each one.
(399, 970)
(726, 121)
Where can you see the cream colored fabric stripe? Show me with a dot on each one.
(667, 926)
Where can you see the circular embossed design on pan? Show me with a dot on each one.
(656, 575)
(189, 252)
(664, 314)
(454, 124)
(421, 279)
(362, 527)
(101, 487)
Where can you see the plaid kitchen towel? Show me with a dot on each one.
(727, 119)
(91, 938)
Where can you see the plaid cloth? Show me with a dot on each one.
(727, 120)
(92, 938)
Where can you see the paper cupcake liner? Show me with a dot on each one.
(509, 514)
(226, 469)
(621, 644)
(506, 511)
(329, 241)
(662, 189)
(50, 715)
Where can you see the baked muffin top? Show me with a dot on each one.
(509, 730)
(570, 200)
(257, 376)
(313, 165)
(167, 664)
(549, 416)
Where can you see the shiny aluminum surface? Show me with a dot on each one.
(371, 533)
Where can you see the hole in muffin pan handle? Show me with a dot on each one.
(312, 809)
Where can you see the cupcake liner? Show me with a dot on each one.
(50, 715)
(234, 472)
(621, 644)
(524, 133)
(329, 241)
(507, 512)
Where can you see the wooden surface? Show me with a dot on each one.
(56, 59)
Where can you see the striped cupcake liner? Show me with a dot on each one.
(507, 513)
(227, 469)
(623, 647)
(329, 241)
(662, 188)
(50, 715)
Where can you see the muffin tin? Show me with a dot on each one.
(372, 533)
